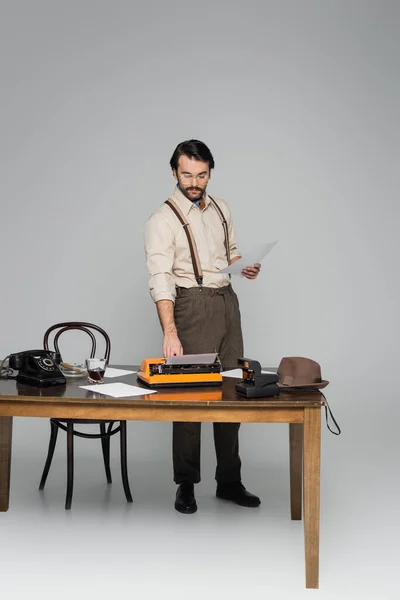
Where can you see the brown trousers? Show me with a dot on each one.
(208, 320)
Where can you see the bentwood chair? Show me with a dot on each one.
(107, 428)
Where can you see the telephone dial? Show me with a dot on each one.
(37, 367)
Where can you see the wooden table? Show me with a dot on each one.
(302, 410)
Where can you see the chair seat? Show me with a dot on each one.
(86, 421)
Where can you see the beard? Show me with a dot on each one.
(192, 193)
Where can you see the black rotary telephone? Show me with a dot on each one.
(37, 367)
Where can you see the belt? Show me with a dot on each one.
(181, 292)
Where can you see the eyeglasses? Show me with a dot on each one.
(200, 177)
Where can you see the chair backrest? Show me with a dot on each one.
(81, 326)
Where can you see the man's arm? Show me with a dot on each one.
(171, 345)
(160, 248)
(250, 272)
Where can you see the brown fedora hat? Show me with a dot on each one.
(298, 372)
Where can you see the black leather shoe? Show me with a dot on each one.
(236, 492)
(185, 501)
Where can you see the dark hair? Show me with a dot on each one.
(192, 149)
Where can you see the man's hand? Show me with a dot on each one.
(172, 346)
(251, 272)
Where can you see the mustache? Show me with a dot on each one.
(194, 189)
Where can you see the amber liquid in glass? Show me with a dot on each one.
(96, 374)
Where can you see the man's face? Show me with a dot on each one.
(192, 176)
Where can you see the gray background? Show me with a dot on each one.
(298, 102)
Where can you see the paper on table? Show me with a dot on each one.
(238, 373)
(249, 258)
(233, 373)
(118, 390)
(110, 372)
(192, 359)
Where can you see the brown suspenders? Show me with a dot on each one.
(198, 273)
(225, 226)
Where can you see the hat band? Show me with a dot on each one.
(290, 380)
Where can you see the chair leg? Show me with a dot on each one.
(124, 467)
(70, 465)
(50, 453)
(105, 445)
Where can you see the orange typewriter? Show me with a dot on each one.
(186, 370)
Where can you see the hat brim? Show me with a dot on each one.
(317, 386)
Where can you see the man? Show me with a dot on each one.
(197, 308)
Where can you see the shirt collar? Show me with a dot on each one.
(184, 203)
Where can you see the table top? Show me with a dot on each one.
(224, 395)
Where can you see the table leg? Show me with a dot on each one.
(5, 461)
(311, 486)
(296, 469)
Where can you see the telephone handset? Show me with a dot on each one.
(37, 367)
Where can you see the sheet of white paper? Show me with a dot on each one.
(110, 372)
(238, 373)
(192, 359)
(249, 258)
(233, 373)
(117, 390)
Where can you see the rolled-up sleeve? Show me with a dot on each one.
(160, 252)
